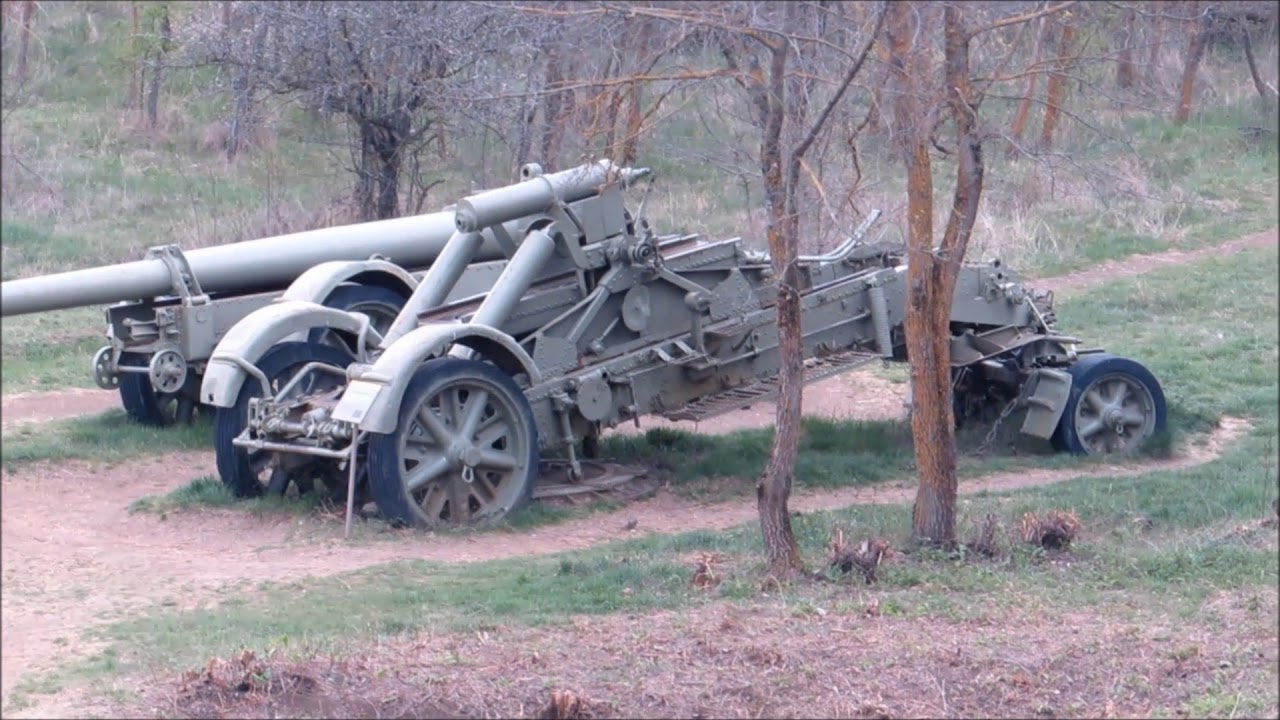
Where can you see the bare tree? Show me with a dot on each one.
(398, 72)
(1124, 56)
(1024, 105)
(758, 49)
(1057, 92)
(1198, 40)
(244, 80)
(920, 105)
(159, 44)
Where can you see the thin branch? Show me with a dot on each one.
(803, 147)
(1025, 17)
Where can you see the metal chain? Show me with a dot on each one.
(995, 427)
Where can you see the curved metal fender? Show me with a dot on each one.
(256, 333)
(373, 398)
(317, 283)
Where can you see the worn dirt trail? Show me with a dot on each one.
(76, 558)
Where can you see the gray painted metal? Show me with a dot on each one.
(253, 265)
(601, 322)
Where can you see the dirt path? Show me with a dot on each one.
(73, 549)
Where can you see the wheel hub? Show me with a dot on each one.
(1114, 418)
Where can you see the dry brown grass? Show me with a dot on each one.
(1053, 531)
(758, 659)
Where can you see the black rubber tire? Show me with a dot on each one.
(141, 401)
(1089, 369)
(354, 297)
(386, 486)
(233, 462)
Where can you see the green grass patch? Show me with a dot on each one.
(204, 491)
(208, 491)
(109, 437)
(48, 351)
(649, 573)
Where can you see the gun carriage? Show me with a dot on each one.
(588, 319)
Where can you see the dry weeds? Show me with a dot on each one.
(867, 556)
(1054, 531)
(758, 660)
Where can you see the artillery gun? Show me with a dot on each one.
(442, 416)
(169, 310)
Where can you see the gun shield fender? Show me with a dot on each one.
(316, 284)
(250, 338)
(373, 398)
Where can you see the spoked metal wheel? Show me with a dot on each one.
(250, 472)
(465, 449)
(1115, 405)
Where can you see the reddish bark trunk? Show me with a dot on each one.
(1057, 92)
(1124, 59)
(1186, 91)
(1024, 106)
(635, 96)
(932, 271)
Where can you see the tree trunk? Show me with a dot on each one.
(1024, 106)
(1057, 91)
(24, 42)
(529, 113)
(133, 96)
(774, 487)
(930, 297)
(1124, 59)
(635, 97)
(385, 137)
(1157, 39)
(1186, 91)
(1264, 90)
(157, 67)
(552, 107)
(242, 89)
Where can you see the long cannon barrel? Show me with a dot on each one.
(539, 193)
(253, 265)
(274, 262)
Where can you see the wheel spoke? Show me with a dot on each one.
(459, 501)
(1132, 416)
(432, 502)
(491, 434)
(1094, 398)
(476, 404)
(425, 472)
(453, 408)
(482, 485)
(1092, 428)
(1120, 392)
(497, 459)
(431, 423)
